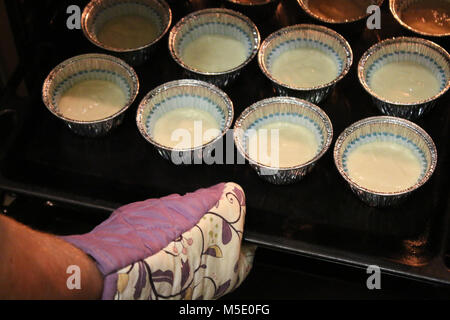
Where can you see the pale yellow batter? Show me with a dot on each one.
(304, 68)
(185, 128)
(282, 144)
(406, 82)
(384, 166)
(127, 32)
(214, 53)
(92, 100)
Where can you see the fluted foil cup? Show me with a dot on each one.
(305, 36)
(98, 12)
(409, 49)
(90, 67)
(398, 8)
(391, 129)
(214, 21)
(337, 19)
(178, 94)
(288, 109)
(255, 9)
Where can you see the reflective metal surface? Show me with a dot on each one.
(398, 7)
(376, 198)
(269, 106)
(220, 79)
(304, 4)
(257, 11)
(415, 110)
(134, 56)
(189, 155)
(313, 94)
(84, 63)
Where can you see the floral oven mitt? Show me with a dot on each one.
(177, 247)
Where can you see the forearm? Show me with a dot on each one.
(33, 265)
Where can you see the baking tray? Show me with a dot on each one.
(318, 217)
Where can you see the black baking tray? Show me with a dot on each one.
(318, 217)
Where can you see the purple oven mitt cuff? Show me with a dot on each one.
(139, 230)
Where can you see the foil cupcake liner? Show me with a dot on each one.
(286, 109)
(305, 5)
(398, 7)
(385, 128)
(178, 94)
(90, 67)
(214, 21)
(256, 10)
(177, 1)
(308, 36)
(98, 12)
(421, 51)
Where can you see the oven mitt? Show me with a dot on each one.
(177, 247)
